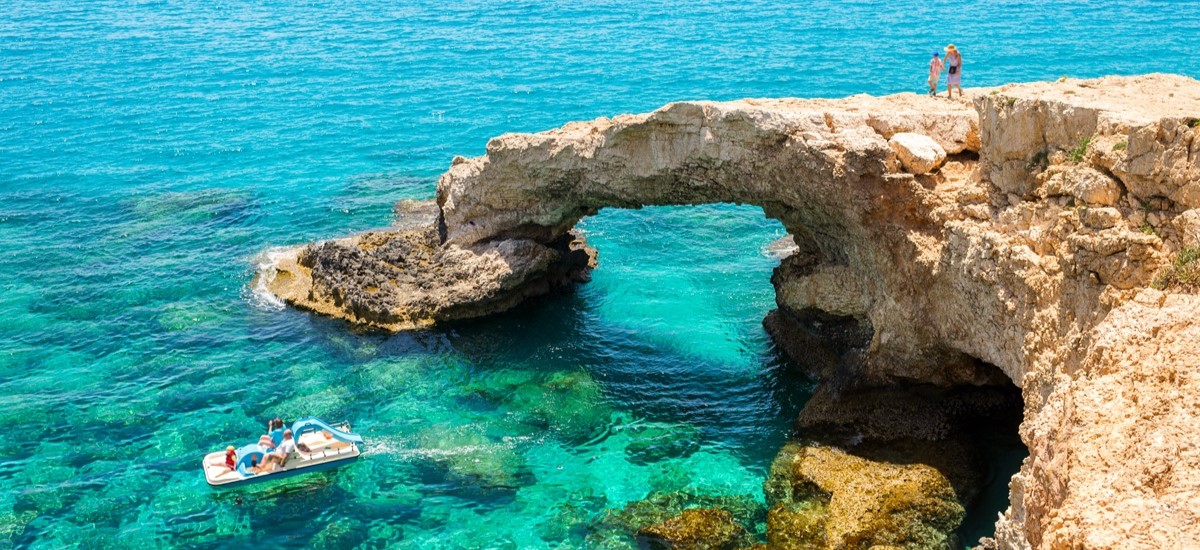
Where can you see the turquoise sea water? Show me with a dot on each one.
(151, 152)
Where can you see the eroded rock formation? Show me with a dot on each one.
(1034, 248)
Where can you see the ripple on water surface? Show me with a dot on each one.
(151, 152)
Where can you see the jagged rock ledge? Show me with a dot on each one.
(405, 277)
(1044, 235)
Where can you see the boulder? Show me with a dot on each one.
(678, 518)
(840, 499)
(696, 529)
(919, 154)
(1085, 183)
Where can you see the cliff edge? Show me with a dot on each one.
(1047, 235)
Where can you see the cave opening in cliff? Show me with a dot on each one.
(701, 281)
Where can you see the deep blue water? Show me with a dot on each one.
(151, 152)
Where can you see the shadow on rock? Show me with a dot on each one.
(884, 467)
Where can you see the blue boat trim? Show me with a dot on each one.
(313, 424)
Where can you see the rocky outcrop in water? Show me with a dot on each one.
(885, 467)
(404, 277)
(1053, 247)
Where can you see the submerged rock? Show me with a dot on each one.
(468, 456)
(654, 443)
(830, 498)
(621, 528)
(343, 533)
(569, 404)
(12, 526)
(798, 525)
(569, 522)
(696, 529)
(883, 466)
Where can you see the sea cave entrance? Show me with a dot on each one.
(690, 279)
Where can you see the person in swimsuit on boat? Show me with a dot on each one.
(935, 72)
(230, 460)
(281, 453)
(954, 71)
(260, 468)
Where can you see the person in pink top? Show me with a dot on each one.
(935, 72)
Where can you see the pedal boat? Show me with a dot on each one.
(328, 447)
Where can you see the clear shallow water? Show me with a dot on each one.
(150, 152)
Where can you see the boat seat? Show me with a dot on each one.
(317, 443)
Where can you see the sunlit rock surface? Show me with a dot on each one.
(1037, 248)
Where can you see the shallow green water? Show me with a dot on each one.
(152, 151)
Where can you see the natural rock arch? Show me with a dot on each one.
(1034, 249)
(824, 169)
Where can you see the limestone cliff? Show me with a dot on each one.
(1045, 230)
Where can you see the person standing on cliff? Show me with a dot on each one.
(954, 71)
(935, 72)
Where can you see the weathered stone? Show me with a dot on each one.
(883, 466)
(869, 502)
(1083, 182)
(1106, 366)
(1187, 225)
(917, 153)
(1101, 218)
(1129, 127)
(696, 529)
(404, 277)
(798, 526)
(619, 528)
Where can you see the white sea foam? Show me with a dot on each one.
(264, 264)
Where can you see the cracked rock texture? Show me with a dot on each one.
(1033, 249)
(404, 277)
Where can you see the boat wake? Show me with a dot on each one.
(395, 447)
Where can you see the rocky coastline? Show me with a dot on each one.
(1027, 257)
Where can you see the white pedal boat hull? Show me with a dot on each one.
(324, 453)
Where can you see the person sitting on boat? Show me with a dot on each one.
(265, 442)
(230, 460)
(275, 430)
(256, 469)
(281, 453)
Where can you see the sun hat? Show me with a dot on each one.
(951, 48)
